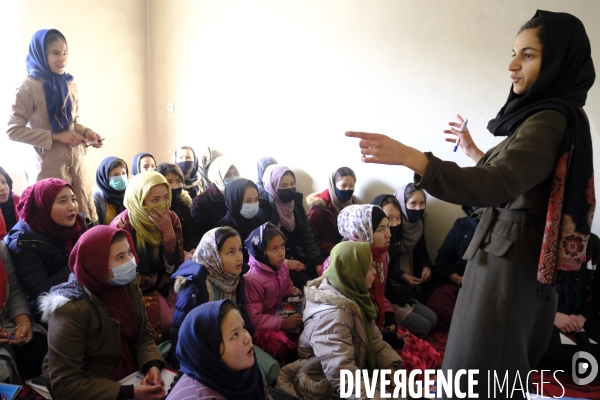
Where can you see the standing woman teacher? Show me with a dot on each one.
(537, 187)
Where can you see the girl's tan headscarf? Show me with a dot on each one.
(337, 204)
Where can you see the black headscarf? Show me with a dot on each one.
(566, 75)
(135, 169)
(396, 231)
(112, 196)
(8, 208)
(198, 351)
(234, 199)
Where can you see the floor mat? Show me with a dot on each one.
(553, 388)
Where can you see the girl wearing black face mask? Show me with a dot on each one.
(180, 204)
(287, 212)
(195, 173)
(414, 258)
(325, 207)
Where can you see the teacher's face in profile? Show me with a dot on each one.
(526, 61)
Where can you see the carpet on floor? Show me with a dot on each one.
(551, 389)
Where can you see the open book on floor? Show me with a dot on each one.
(134, 379)
(39, 385)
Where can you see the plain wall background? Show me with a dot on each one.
(287, 78)
(284, 78)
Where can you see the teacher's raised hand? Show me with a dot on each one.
(380, 149)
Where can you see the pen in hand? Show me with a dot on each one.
(462, 129)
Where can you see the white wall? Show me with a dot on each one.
(284, 78)
(108, 58)
(287, 78)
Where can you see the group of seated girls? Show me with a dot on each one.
(192, 254)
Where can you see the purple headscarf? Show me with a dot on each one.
(271, 180)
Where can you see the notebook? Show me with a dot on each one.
(134, 379)
(9, 392)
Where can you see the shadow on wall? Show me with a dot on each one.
(439, 216)
(304, 185)
(372, 189)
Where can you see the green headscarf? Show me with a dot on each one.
(349, 263)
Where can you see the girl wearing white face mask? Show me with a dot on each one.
(243, 210)
(103, 287)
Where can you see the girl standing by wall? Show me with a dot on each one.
(45, 114)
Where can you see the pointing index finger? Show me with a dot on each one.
(361, 135)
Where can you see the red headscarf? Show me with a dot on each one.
(89, 263)
(35, 209)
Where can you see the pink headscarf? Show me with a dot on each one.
(271, 180)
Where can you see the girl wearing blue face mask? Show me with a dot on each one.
(243, 211)
(325, 207)
(208, 208)
(97, 326)
(111, 181)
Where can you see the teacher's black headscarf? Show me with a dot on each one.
(566, 75)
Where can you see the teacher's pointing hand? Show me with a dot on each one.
(380, 149)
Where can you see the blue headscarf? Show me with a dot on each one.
(135, 168)
(255, 246)
(198, 351)
(113, 196)
(56, 90)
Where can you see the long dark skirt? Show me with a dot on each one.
(501, 324)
